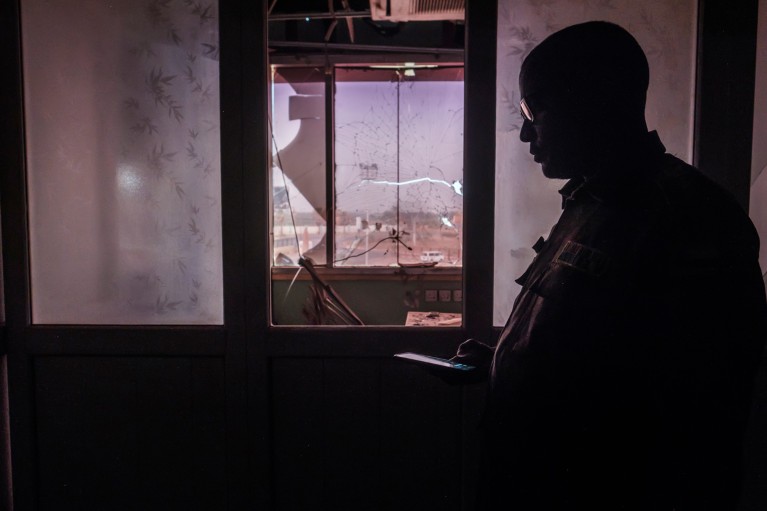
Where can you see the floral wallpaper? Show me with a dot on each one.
(123, 157)
(527, 204)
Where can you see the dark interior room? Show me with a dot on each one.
(255, 204)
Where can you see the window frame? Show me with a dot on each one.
(479, 210)
(329, 270)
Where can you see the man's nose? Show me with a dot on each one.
(526, 133)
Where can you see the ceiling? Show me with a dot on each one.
(298, 27)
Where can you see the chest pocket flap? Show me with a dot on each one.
(576, 272)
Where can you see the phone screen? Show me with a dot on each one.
(434, 361)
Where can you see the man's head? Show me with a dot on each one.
(585, 87)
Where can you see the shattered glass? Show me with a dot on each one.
(398, 166)
(298, 165)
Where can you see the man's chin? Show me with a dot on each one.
(551, 172)
(554, 171)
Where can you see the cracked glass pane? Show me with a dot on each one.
(298, 165)
(398, 166)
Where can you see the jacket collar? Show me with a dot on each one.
(638, 166)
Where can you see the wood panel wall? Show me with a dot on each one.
(373, 434)
(129, 433)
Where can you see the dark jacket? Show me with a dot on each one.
(622, 378)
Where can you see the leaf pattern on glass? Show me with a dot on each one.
(172, 114)
(144, 125)
(159, 15)
(164, 305)
(159, 84)
(178, 187)
(143, 49)
(509, 103)
(523, 41)
(203, 11)
(191, 152)
(158, 158)
(193, 227)
(210, 50)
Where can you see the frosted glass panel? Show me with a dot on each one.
(123, 154)
(527, 204)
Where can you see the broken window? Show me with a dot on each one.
(299, 196)
(367, 187)
(397, 162)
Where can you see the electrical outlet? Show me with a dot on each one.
(457, 295)
(445, 295)
(430, 295)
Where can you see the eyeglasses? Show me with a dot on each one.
(527, 112)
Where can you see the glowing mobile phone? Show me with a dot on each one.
(434, 361)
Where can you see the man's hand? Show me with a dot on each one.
(470, 352)
(474, 353)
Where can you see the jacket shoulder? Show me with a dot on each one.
(703, 214)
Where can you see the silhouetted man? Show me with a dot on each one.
(622, 378)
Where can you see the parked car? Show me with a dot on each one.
(432, 256)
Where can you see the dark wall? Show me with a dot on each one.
(755, 448)
(5, 435)
(130, 433)
(369, 434)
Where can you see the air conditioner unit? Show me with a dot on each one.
(417, 10)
